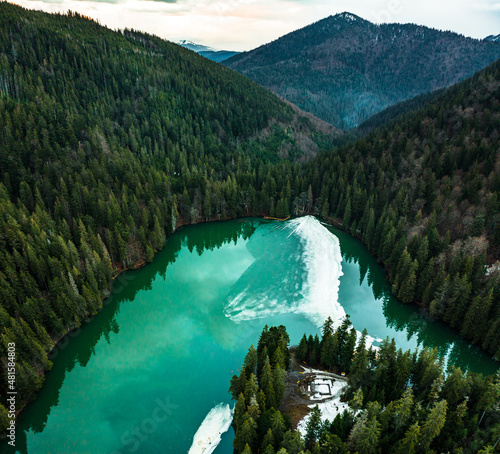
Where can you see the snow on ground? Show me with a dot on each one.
(329, 409)
(208, 435)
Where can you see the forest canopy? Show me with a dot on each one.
(110, 140)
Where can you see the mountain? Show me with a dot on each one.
(345, 69)
(493, 38)
(423, 193)
(195, 47)
(109, 140)
(396, 111)
(208, 52)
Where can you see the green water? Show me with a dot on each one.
(142, 376)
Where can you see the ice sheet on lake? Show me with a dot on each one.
(208, 436)
(297, 270)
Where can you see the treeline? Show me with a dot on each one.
(334, 351)
(400, 402)
(424, 196)
(108, 141)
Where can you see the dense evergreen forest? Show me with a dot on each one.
(109, 140)
(393, 113)
(400, 402)
(423, 194)
(345, 69)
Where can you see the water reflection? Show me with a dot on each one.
(364, 293)
(409, 324)
(78, 347)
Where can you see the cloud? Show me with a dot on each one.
(114, 2)
(246, 24)
(486, 6)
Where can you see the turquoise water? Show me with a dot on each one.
(142, 376)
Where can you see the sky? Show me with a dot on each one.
(246, 24)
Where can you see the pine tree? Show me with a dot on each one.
(250, 363)
(360, 364)
(279, 428)
(239, 411)
(329, 352)
(403, 409)
(347, 351)
(292, 442)
(433, 424)
(268, 450)
(327, 329)
(409, 443)
(313, 427)
(301, 352)
(268, 440)
(266, 382)
(253, 409)
(356, 402)
(279, 376)
(251, 388)
(368, 438)
(245, 435)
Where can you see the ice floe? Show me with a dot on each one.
(208, 435)
(297, 271)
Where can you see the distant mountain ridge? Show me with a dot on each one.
(208, 52)
(493, 38)
(344, 69)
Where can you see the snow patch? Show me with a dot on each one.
(329, 409)
(348, 17)
(208, 435)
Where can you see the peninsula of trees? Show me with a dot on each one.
(401, 402)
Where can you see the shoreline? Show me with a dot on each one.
(119, 271)
(301, 409)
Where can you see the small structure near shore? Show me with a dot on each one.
(323, 389)
(319, 385)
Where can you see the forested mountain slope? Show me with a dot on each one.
(424, 195)
(391, 113)
(345, 69)
(107, 141)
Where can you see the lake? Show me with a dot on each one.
(144, 373)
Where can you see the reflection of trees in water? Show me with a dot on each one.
(79, 346)
(76, 348)
(213, 235)
(410, 318)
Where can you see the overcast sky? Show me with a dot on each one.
(246, 24)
